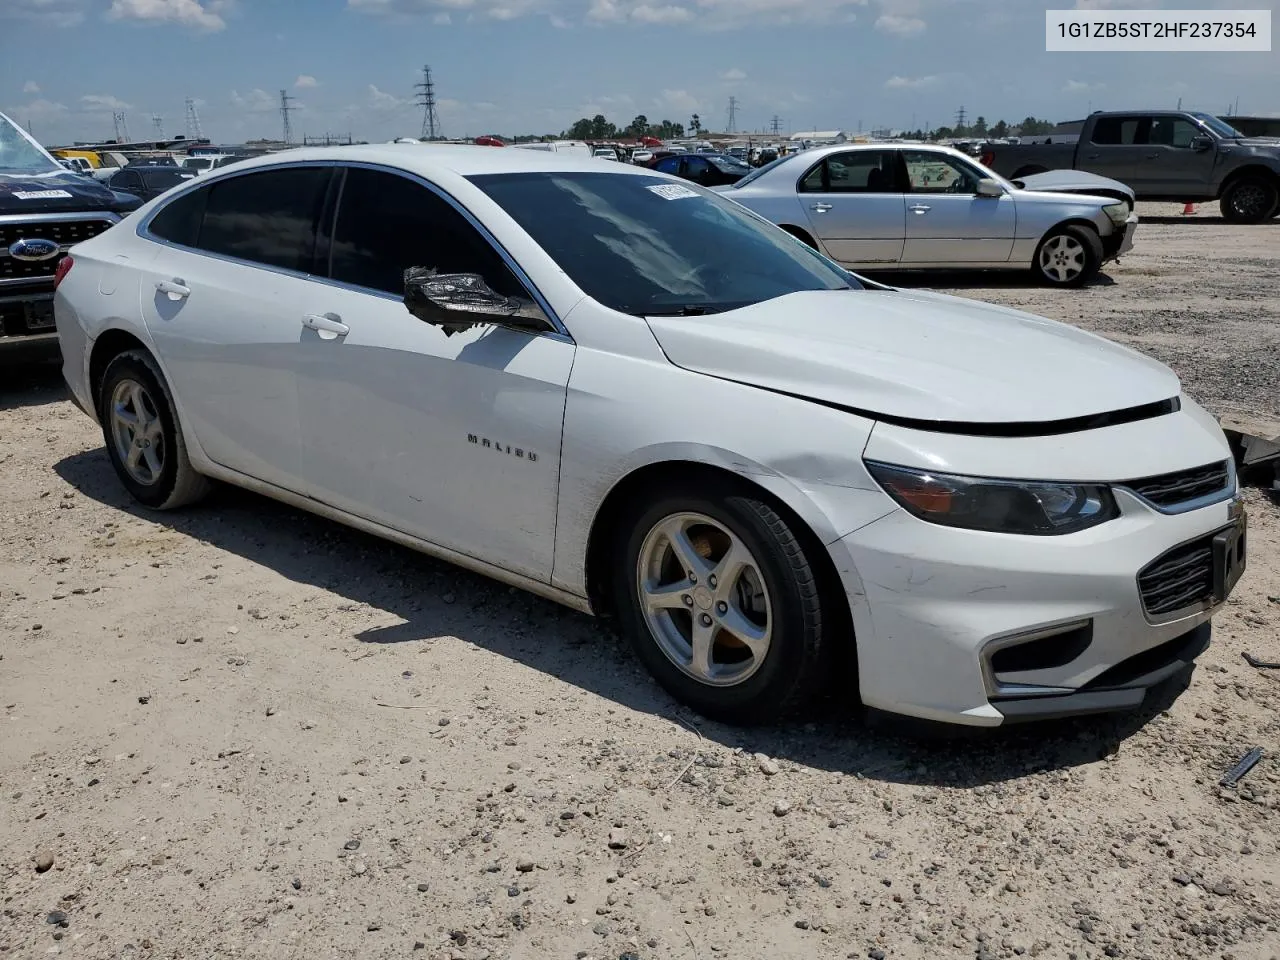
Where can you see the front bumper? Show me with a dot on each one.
(1120, 240)
(933, 605)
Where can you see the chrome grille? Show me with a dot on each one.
(1179, 579)
(65, 233)
(1174, 489)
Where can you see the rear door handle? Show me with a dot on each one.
(175, 289)
(820, 207)
(326, 323)
(919, 208)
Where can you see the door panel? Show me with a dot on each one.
(855, 207)
(230, 349)
(451, 438)
(1169, 164)
(947, 222)
(1116, 149)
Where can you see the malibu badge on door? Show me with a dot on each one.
(1229, 554)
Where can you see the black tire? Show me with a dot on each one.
(177, 483)
(790, 671)
(1071, 234)
(1250, 200)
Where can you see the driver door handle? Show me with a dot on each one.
(326, 323)
(820, 207)
(176, 289)
(919, 208)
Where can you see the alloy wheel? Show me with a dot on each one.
(1249, 201)
(137, 431)
(1062, 258)
(704, 599)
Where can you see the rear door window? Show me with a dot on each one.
(387, 223)
(268, 217)
(1117, 131)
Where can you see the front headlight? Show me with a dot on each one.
(1118, 212)
(999, 506)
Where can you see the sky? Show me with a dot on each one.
(535, 66)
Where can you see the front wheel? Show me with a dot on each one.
(144, 439)
(1250, 200)
(720, 600)
(1068, 256)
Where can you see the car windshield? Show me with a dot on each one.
(1220, 127)
(645, 245)
(728, 165)
(20, 154)
(760, 171)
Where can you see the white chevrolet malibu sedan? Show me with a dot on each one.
(633, 396)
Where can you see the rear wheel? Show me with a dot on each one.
(1068, 256)
(1250, 200)
(720, 601)
(143, 437)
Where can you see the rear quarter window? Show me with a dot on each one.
(178, 221)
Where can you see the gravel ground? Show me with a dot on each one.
(243, 731)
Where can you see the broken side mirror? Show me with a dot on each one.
(459, 301)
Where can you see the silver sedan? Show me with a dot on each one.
(888, 206)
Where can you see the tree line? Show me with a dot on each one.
(600, 127)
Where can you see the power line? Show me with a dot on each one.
(733, 114)
(427, 101)
(286, 108)
(193, 121)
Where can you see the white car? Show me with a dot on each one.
(623, 392)
(895, 206)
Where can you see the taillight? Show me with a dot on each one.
(987, 157)
(63, 268)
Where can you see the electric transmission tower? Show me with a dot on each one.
(733, 114)
(775, 124)
(122, 128)
(286, 108)
(158, 123)
(427, 101)
(193, 121)
(960, 119)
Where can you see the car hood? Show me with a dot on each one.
(1072, 181)
(916, 356)
(53, 193)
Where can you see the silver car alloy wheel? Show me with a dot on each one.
(704, 599)
(137, 431)
(1062, 258)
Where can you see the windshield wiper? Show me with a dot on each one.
(688, 310)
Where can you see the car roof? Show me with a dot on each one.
(429, 159)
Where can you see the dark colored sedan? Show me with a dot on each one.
(148, 182)
(708, 169)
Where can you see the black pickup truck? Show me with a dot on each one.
(44, 211)
(1174, 155)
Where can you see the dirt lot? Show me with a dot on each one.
(242, 731)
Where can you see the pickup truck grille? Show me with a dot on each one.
(1171, 490)
(65, 233)
(1179, 579)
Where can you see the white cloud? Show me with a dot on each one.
(702, 14)
(1080, 86)
(31, 87)
(188, 13)
(910, 83)
(53, 13)
(669, 13)
(442, 19)
(381, 100)
(39, 109)
(899, 25)
(734, 75)
(681, 101)
(256, 100)
(305, 82)
(102, 101)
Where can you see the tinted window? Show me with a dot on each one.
(178, 221)
(387, 223)
(125, 180)
(668, 165)
(268, 217)
(1172, 132)
(642, 244)
(858, 171)
(1116, 131)
(695, 166)
(161, 179)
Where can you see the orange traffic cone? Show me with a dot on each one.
(1188, 209)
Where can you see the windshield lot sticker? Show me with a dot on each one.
(672, 191)
(42, 194)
